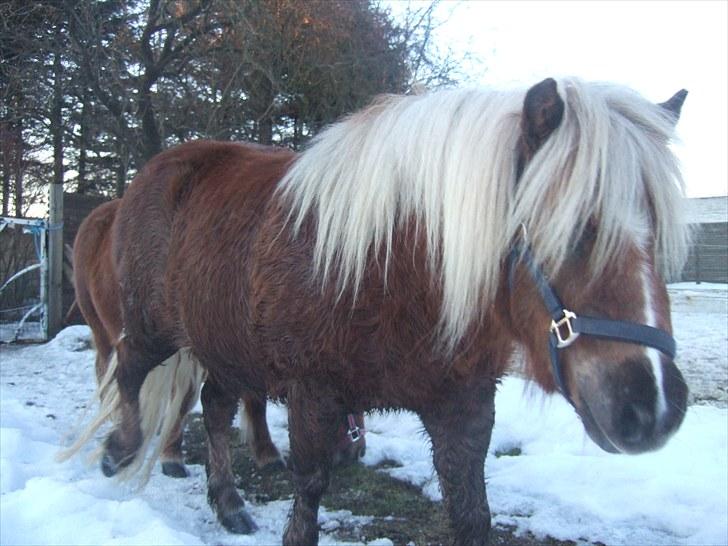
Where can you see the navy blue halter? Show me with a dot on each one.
(566, 326)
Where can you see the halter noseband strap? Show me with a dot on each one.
(566, 326)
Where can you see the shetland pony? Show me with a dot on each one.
(97, 296)
(397, 263)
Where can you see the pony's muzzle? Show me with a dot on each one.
(635, 425)
(629, 407)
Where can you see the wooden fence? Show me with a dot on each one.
(75, 208)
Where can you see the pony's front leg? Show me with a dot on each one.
(218, 410)
(312, 425)
(460, 432)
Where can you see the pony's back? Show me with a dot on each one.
(183, 199)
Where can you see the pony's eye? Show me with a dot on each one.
(585, 241)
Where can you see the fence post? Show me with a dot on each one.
(55, 260)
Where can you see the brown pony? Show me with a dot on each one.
(97, 296)
(397, 263)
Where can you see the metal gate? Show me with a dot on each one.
(23, 292)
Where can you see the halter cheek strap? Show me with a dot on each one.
(566, 326)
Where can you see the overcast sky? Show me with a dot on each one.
(656, 47)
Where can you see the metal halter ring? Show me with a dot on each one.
(556, 329)
(355, 433)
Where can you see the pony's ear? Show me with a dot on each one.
(543, 110)
(674, 104)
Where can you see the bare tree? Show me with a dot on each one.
(31, 32)
(107, 84)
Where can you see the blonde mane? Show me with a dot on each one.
(448, 160)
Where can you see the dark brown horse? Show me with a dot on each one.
(97, 295)
(397, 263)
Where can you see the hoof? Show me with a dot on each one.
(273, 467)
(239, 523)
(174, 470)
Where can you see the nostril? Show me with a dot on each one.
(636, 424)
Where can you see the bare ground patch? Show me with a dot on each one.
(398, 510)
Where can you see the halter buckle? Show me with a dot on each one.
(557, 329)
(355, 433)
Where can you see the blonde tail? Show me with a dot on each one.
(246, 433)
(109, 400)
(160, 401)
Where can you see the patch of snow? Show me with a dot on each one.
(380, 542)
(722, 287)
(73, 339)
(557, 483)
(689, 297)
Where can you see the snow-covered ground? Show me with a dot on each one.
(560, 485)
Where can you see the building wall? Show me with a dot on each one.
(708, 260)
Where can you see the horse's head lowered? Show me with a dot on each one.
(588, 298)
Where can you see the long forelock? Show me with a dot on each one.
(609, 162)
(447, 161)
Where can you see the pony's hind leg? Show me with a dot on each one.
(122, 444)
(173, 464)
(257, 435)
(218, 410)
(312, 425)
